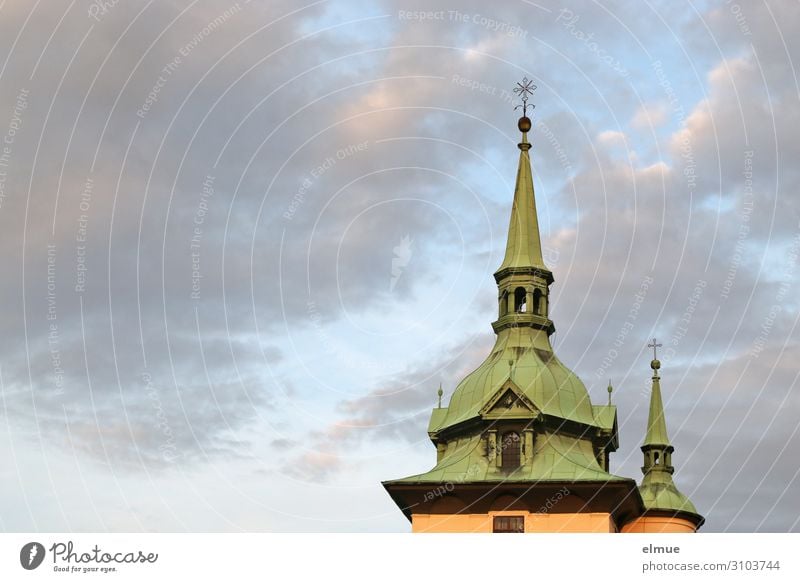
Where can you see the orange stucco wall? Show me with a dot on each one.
(659, 525)
(534, 522)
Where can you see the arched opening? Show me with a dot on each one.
(537, 302)
(655, 458)
(447, 504)
(510, 445)
(520, 300)
(508, 502)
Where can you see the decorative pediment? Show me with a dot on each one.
(509, 402)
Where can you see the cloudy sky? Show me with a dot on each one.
(244, 242)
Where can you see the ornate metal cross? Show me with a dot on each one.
(525, 89)
(655, 345)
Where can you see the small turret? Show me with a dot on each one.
(666, 508)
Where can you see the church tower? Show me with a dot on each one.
(666, 508)
(521, 447)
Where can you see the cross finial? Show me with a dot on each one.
(525, 89)
(655, 364)
(655, 345)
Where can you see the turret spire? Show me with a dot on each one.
(656, 424)
(524, 247)
(523, 280)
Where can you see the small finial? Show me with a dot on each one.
(610, 390)
(524, 89)
(511, 370)
(440, 392)
(655, 364)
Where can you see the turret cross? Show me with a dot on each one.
(655, 345)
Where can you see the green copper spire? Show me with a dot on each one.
(656, 424)
(524, 247)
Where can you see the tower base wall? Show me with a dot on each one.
(659, 525)
(534, 522)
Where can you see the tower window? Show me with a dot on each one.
(520, 303)
(509, 524)
(510, 447)
(537, 301)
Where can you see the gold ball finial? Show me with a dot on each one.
(524, 124)
(655, 364)
(610, 388)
